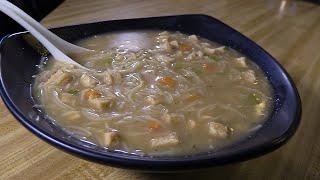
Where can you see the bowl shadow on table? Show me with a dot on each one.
(264, 167)
(221, 172)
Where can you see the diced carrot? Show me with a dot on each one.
(185, 47)
(154, 125)
(208, 67)
(66, 80)
(192, 97)
(91, 93)
(168, 81)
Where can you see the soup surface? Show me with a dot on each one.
(155, 93)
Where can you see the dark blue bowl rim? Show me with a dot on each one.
(135, 162)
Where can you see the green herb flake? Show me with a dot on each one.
(178, 65)
(215, 58)
(46, 65)
(73, 91)
(37, 92)
(197, 70)
(104, 62)
(254, 99)
(221, 73)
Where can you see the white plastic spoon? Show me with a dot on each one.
(43, 35)
(63, 45)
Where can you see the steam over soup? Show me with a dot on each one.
(155, 93)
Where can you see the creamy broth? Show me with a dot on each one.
(156, 93)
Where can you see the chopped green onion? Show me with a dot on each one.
(37, 92)
(178, 65)
(73, 91)
(215, 57)
(46, 64)
(197, 70)
(104, 62)
(221, 73)
(254, 98)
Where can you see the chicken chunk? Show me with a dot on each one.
(116, 77)
(174, 44)
(191, 124)
(167, 118)
(107, 78)
(60, 78)
(241, 61)
(87, 81)
(211, 51)
(208, 51)
(199, 54)
(260, 108)
(204, 44)
(68, 99)
(249, 76)
(164, 33)
(168, 140)
(171, 118)
(166, 46)
(164, 58)
(235, 75)
(154, 99)
(131, 56)
(191, 56)
(72, 115)
(101, 103)
(179, 54)
(193, 38)
(110, 138)
(218, 130)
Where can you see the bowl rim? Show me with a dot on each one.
(134, 162)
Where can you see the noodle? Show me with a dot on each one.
(134, 90)
(255, 91)
(231, 109)
(200, 111)
(78, 131)
(133, 68)
(58, 102)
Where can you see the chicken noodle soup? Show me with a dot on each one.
(156, 93)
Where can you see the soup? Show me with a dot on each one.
(155, 93)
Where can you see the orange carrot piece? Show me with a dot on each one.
(192, 97)
(168, 81)
(207, 67)
(185, 47)
(91, 93)
(154, 125)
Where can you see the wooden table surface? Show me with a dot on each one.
(289, 30)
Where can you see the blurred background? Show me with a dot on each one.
(36, 8)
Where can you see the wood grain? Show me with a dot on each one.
(289, 30)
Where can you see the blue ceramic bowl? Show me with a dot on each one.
(19, 60)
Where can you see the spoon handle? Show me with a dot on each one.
(63, 45)
(56, 53)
